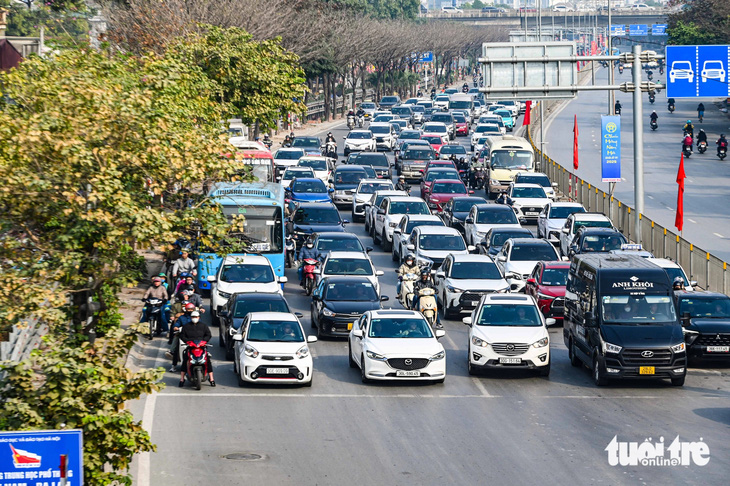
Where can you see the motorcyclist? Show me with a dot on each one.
(653, 117)
(267, 141)
(504, 198)
(424, 283)
(307, 252)
(678, 283)
(351, 113)
(700, 111)
(330, 138)
(289, 139)
(401, 184)
(721, 143)
(184, 264)
(179, 321)
(360, 112)
(409, 266)
(687, 142)
(156, 291)
(670, 102)
(689, 128)
(195, 331)
(433, 92)
(701, 136)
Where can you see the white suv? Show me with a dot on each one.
(578, 220)
(365, 193)
(389, 214)
(463, 279)
(359, 141)
(508, 331)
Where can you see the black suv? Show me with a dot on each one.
(596, 240)
(337, 302)
(705, 317)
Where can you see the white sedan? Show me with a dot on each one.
(339, 263)
(396, 345)
(293, 172)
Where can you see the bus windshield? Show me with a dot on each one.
(647, 309)
(511, 159)
(263, 227)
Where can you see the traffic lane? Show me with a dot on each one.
(706, 221)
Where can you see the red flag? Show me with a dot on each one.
(528, 107)
(679, 219)
(575, 142)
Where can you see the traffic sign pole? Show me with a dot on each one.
(638, 145)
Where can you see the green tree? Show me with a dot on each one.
(700, 22)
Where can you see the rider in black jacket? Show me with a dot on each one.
(194, 331)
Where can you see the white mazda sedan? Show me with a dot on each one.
(396, 345)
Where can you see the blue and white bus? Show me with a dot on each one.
(262, 205)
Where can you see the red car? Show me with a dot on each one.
(462, 126)
(443, 190)
(547, 285)
(437, 173)
(435, 140)
(440, 164)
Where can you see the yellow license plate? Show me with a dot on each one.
(349, 326)
(646, 370)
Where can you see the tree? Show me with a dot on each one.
(700, 22)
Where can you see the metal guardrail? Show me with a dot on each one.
(317, 107)
(546, 13)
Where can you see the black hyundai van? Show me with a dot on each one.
(620, 319)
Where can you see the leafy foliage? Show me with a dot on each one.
(700, 22)
(67, 23)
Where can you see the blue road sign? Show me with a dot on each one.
(698, 71)
(426, 57)
(659, 29)
(35, 457)
(618, 30)
(610, 148)
(638, 29)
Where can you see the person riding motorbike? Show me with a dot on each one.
(308, 252)
(408, 267)
(653, 117)
(700, 111)
(267, 141)
(689, 128)
(401, 184)
(360, 112)
(678, 283)
(195, 331)
(330, 137)
(721, 143)
(687, 142)
(156, 291)
(424, 283)
(288, 140)
(179, 321)
(504, 198)
(701, 136)
(184, 264)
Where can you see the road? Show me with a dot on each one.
(512, 428)
(707, 188)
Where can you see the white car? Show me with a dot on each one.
(359, 141)
(436, 128)
(389, 214)
(463, 279)
(402, 232)
(540, 179)
(562, 8)
(242, 273)
(681, 70)
(508, 331)
(364, 194)
(483, 217)
(385, 135)
(713, 70)
(322, 166)
(242, 143)
(293, 172)
(518, 258)
(396, 345)
(490, 118)
(339, 263)
(488, 129)
(552, 218)
(432, 244)
(577, 221)
(271, 347)
(287, 157)
(371, 207)
(449, 9)
(441, 101)
(641, 7)
(674, 270)
(528, 200)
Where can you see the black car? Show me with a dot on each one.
(337, 302)
(405, 112)
(328, 241)
(345, 180)
(238, 307)
(311, 218)
(388, 102)
(310, 145)
(705, 317)
(378, 161)
(495, 238)
(596, 240)
(456, 210)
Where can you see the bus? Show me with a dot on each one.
(262, 205)
(261, 162)
(506, 156)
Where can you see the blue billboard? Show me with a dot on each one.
(638, 29)
(698, 71)
(618, 30)
(659, 29)
(34, 457)
(610, 148)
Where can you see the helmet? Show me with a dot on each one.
(425, 272)
(189, 306)
(184, 274)
(162, 275)
(410, 257)
(678, 282)
(402, 178)
(689, 122)
(291, 134)
(309, 242)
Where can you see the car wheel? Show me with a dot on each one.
(574, 360)
(367, 226)
(221, 339)
(598, 378)
(387, 245)
(545, 370)
(678, 381)
(394, 256)
(241, 382)
(363, 376)
(376, 238)
(440, 381)
(229, 353)
(311, 321)
(349, 355)
(470, 368)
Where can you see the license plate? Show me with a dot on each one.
(277, 371)
(646, 370)
(531, 213)
(407, 373)
(718, 349)
(349, 326)
(510, 360)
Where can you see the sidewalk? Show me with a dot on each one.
(308, 129)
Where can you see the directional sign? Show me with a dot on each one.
(638, 29)
(618, 30)
(426, 57)
(698, 71)
(610, 148)
(34, 457)
(659, 29)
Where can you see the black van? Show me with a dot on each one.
(620, 319)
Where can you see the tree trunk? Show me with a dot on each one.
(325, 86)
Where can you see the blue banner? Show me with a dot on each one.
(659, 29)
(638, 29)
(610, 148)
(30, 458)
(618, 30)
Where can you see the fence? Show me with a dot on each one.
(23, 339)
(316, 108)
(709, 271)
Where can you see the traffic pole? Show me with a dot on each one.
(638, 144)
(610, 63)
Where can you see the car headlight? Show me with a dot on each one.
(340, 192)
(438, 356)
(423, 261)
(375, 356)
(250, 351)
(481, 234)
(327, 312)
(544, 296)
(541, 343)
(494, 182)
(392, 225)
(679, 348)
(611, 348)
(223, 295)
(453, 289)
(303, 352)
(479, 342)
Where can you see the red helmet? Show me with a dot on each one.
(189, 306)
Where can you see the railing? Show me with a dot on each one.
(316, 108)
(546, 13)
(24, 338)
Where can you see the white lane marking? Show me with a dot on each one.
(650, 197)
(404, 395)
(477, 382)
(691, 220)
(671, 209)
(718, 235)
(148, 419)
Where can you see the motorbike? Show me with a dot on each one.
(722, 152)
(197, 365)
(331, 149)
(154, 316)
(653, 124)
(406, 289)
(291, 251)
(652, 99)
(350, 122)
(686, 150)
(308, 275)
(620, 69)
(649, 75)
(465, 89)
(702, 147)
(480, 178)
(670, 107)
(267, 143)
(360, 121)
(427, 305)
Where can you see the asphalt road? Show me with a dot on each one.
(707, 191)
(510, 428)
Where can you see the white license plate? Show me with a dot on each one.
(531, 213)
(510, 360)
(718, 349)
(277, 371)
(407, 373)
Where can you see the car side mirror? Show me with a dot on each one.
(693, 283)
(550, 321)
(381, 211)
(522, 220)
(565, 231)
(283, 280)
(467, 321)
(311, 339)
(316, 297)
(368, 249)
(440, 274)
(555, 185)
(469, 220)
(238, 337)
(384, 298)
(439, 333)
(211, 278)
(685, 319)
(471, 248)
(410, 248)
(471, 192)
(397, 231)
(298, 314)
(357, 333)
(502, 258)
(531, 281)
(589, 318)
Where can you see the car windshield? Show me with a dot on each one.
(509, 315)
(531, 192)
(243, 307)
(309, 142)
(275, 331)
(350, 291)
(647, 309)
(289, 154)
(291, 174)
(244, 273)
(418, 154)
(322, 215)
(408, 207)
(368, 106)
(715, 307)
(359, 135)
(376, 160)
(434, 128)
(499, 237)
(416, 224)
(380, 129)
(443, 118)
(433, 139)
(475, 270)
(562, 212)
(528, 253)
(349, 176)
(371, 187)
(316, 164)
(448, 188)
(327, 244)
(433, 175)
(348, 266)
(460, 105)
(399, 328)
(489, 129)
(602, 243)
(410, 135)
(441, 242)
(511, 159)
(463, 205)
(591, 224)
(453, 149)
(418, 108)
(487, 216)
(459, 118)
(555, 277)
(309, 187)
(401, 110)
(389, 99)
(486, 128)
(534, 179)
(503, 113)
